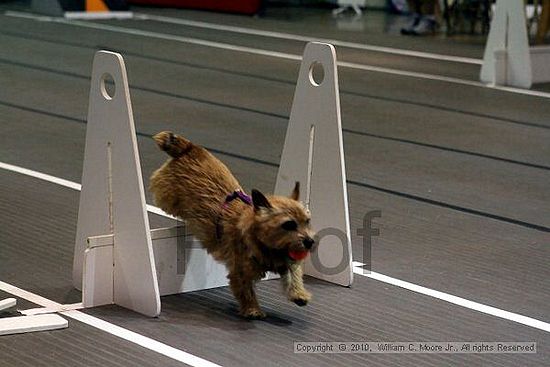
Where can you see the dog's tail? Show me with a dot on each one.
(173, 144)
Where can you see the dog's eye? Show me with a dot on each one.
(308, 221)
(290, 225)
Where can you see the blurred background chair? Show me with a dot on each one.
(467, 16)
(543, 21)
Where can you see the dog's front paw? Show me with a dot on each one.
(253, 314)
(301, 298)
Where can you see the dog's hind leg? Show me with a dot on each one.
(293, 285)
(243, 290)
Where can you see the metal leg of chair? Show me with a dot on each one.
(447, 16)
(544, 22)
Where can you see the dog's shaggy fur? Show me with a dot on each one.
(249, 239)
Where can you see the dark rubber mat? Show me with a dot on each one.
(64, 159)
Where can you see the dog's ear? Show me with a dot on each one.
(259, 200)
(295, 195)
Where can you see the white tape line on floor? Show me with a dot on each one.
(489, 310)
(133, 337)
(66, 183)
(301, 38)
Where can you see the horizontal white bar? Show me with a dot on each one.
(156, 234)
(169, 232)
(44, 310)
(539, 50)
(100, 241)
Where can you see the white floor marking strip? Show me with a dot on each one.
(296, 37)
(66, 183)
(282, 55)
(528, 321)
(31, 297)
(133, 337)
(41, 176)
(145, 342)
(356, 269)
(165, 36)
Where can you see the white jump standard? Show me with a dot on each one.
(315, 117)
(118, 259)
(508, 59)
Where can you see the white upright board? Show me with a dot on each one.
(508, 36)
(313, 155)
(112, 199)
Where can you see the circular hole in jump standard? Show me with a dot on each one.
(108, 86)
(316, 73)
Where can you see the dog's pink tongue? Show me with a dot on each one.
(298, 255)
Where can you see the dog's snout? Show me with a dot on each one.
(308, 242)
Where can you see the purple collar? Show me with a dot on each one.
(237, 194)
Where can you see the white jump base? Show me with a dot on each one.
(508, 59)
(28, 324)
(120, 260)
(176, 253)
(540, 64)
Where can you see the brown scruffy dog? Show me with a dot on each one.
(250, 235)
